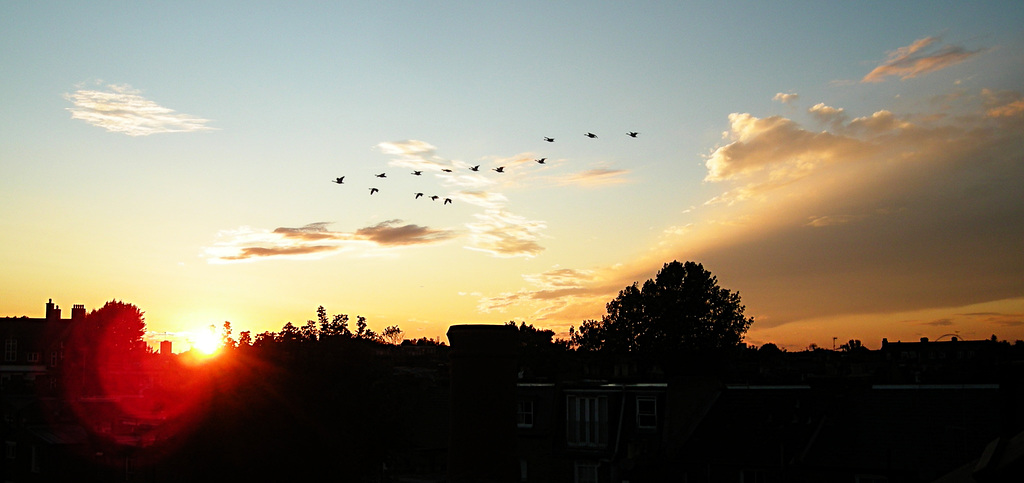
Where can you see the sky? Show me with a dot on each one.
(854, 170)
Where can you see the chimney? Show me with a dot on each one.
(77, 313)
(482, 435)
(924, 339)
(165, 347)
(52, 311)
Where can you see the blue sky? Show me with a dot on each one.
(180, 157)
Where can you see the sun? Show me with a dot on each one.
(206, 343)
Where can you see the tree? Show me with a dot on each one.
(393, 335)
(117, 326)
(681, 311)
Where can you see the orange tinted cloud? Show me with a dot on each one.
(918, 59)
(316, 241)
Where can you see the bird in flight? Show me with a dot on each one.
(382, 175)
(475, 168)
(446, 170)
(418, 195)
(373, 190)
(632, 134)
(447, 200)
(417, 173)
(434, 198)
(541, 160)
(340, 180)
(590, 135)
(550, 140)
(500, 169)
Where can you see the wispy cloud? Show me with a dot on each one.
(595, 177)
(314, 241)
(504, 234)
(122, 109)
(919, 58)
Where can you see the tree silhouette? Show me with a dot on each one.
(392, 335)
(681, 311)
(119, 325)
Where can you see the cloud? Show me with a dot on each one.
(504, 234)
(122, 109)
(390, 233)
(775, 144)
(884, 213)
(314, 241)
(595, 177)
(827, 115)
(919, 59)
(785, 98)
(1003, 103)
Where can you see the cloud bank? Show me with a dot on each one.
(882, 213)
(122, 109)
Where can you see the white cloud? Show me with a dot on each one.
(122, 109)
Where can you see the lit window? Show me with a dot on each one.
(524, 414)
(586, 421)
(646, 413)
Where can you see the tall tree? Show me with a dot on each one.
(681, 311)
(119, 325)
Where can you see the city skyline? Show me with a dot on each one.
(852, 171)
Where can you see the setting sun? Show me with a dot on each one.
(206, 343)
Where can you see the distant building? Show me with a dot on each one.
(34, 347)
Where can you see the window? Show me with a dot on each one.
(10, 350)
(11, 450)
(54, 358)
(524, 414)
(586, 420)
(646, 413)
(33, 357)
(585, 472)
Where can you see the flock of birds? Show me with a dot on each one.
(499, 169)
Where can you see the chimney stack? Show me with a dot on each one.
(52, 311)
(77, 313)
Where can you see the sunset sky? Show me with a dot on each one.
(853, 169)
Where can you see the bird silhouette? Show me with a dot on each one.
(590, 135)
(500, 169)
(632, 134)
(447, 200)
(434, 198)
(417, 173)
(418, 195)
(541, 160)
(446, 170)
(382, 175)
(550, 140)
(340, 180)
(475, 168)
(373, 190)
